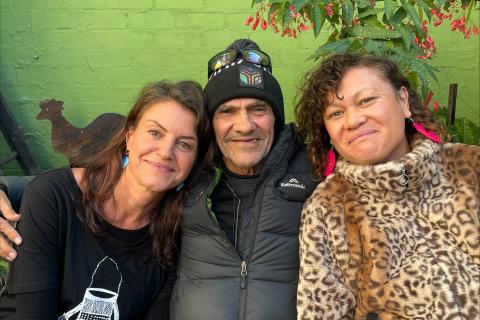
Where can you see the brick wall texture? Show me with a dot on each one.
(96, 54)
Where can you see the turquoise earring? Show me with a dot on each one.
(125, 160)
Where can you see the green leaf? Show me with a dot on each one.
(370, 12)
(424, 68)
(371, 32)
(356, 46)
(398, 17)
(284, 13)
(412, 14)
(335, 46)
(407, 36)
(363, 4)
(374, 46)
(373, 21)
(466, 131)
(426, 8)
(347, 12)
(469, 9)
(254, 2)
(440, 3)
(389, 7)
(318, 20)
(424, 71)
(272, 12)
(431, 71)
(299, 4)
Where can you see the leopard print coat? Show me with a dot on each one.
(398, 240)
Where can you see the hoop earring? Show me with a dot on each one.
(329, 162)
(427, 133)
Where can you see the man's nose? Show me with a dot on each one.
(244, 122)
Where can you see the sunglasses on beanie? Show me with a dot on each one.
(227, 57)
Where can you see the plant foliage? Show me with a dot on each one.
(397, 29)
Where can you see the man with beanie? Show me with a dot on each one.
(239, 256)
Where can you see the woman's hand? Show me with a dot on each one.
(7, 231)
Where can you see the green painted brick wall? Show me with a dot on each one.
(96, 54)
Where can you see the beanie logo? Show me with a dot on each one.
(250, 77)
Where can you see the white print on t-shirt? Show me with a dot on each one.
(97, 303)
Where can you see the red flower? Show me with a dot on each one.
(249, 20)
(302, 27)
(428, 43)
(328, 9)
(255, 24)
(356, 21)
(264, 24)
(467, 34)
(426, 56)
(428, 98)
(475, 30)
(435, 106)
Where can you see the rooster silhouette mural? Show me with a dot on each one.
(79, 145)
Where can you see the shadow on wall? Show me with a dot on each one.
(79, 145)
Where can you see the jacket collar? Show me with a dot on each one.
(419, 166)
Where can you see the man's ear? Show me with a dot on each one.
(403, 94)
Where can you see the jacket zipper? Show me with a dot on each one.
(243, 274)
(243, 263)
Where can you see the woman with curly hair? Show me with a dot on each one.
(393, 231)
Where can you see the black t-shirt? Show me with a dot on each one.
(112, 276)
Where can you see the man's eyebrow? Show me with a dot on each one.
(258, 104)
(226, 105)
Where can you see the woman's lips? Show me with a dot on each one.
(160, 167)
(361, 134)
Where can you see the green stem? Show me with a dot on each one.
(469, 10)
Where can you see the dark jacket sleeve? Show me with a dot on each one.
(160, 307)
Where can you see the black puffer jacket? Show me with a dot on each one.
(214, 283)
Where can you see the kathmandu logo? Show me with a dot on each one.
(250, 77)
(293, 183)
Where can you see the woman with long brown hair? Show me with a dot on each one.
(89, 234)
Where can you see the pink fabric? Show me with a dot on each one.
(429, 134)
(330, 165)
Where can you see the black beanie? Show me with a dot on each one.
(245, 80)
